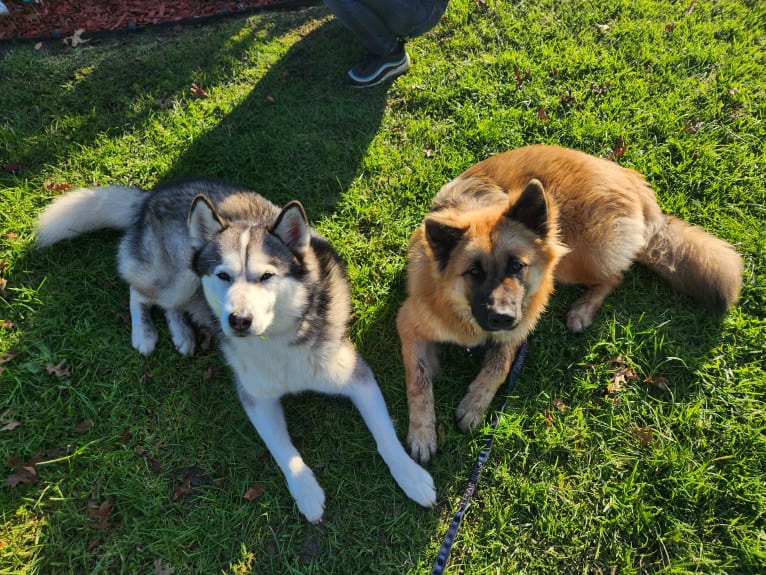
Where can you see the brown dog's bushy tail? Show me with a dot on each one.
(696, 263)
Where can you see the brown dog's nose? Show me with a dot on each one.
(500, 321)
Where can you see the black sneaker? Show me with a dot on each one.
(376, 69)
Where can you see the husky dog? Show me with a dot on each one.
(273, 290)
(483, 263)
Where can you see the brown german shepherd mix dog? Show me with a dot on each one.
(483, 263)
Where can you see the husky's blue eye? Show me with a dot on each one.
(266, 276)
(223, 276)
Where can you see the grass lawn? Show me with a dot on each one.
(637, 447)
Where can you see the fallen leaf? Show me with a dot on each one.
(271, 99)
(559, 404)
(620, 147)
(55, 186)
(690, 9)
(670, 27)
(83, 426)
(600, 89)
(548, 418)
(441, 435)
(660, 382)
(568, 99)
(254, 491)
(692, 126)
(10, 426)
(76, 38)
(100, 512)
(183, 489)
(12, 167)
(126, 435)
(23, 472)
(3, 286)
(541, 114)
(521, 78)
(7, 325)
(11, 236)
(644, 434)
(162, 568)
(59, 370)
(198, 90)
(429, 153)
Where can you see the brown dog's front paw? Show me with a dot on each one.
(422, 444)
(468, 415)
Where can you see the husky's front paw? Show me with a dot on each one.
(416, 482)
(181, 332)
(308, 495)
(144, 338)
(421, 441)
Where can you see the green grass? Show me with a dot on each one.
(627, 479)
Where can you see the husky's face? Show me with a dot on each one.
(251, 273)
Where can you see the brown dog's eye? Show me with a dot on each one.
(516, 267)
(475, 272)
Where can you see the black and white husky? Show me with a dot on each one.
(273, 290)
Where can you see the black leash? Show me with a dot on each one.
(449, 538)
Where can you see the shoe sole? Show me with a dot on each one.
(383, 75)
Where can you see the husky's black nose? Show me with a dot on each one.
(240, 323)
(497, 321)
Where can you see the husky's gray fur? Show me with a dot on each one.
(272, 289)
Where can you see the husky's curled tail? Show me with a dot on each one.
(87, 210)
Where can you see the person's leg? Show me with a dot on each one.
(379, 24)
(365, 22)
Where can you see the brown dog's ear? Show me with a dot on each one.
(531, 209)
(442, 237)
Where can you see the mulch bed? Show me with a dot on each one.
(53, 19)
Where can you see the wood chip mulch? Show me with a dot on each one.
(46, 19)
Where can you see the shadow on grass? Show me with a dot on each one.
(299, 133)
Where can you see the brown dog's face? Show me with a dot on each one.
(491, 262)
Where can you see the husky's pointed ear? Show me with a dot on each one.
(531, 209)
(442, 236)
(204, 220)
(292, 227)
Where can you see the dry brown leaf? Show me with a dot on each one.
(548, 418)
(660, 382)
(100, 512)
(254, 491)
(644, 434)
(162, 568)
(23, 472)
(83, 426)
(10, 426)
(183, 489)
(55, 186)
(559, 404)
(59, 370)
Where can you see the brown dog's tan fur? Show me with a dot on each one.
(482, 266)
